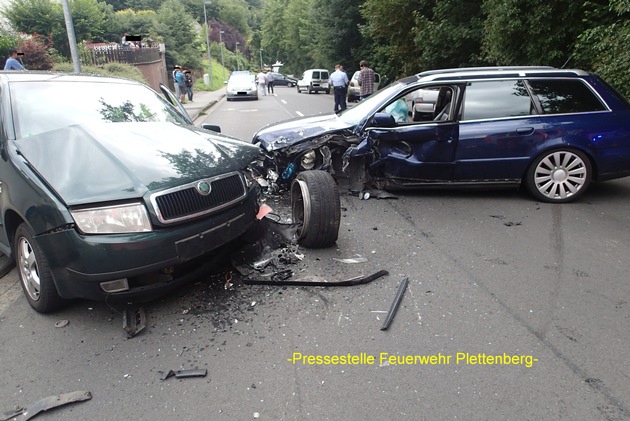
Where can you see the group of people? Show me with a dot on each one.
(339, 81)
(265, 82)
(183, 81)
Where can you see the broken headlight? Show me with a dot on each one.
(117, 219)
(308, 160)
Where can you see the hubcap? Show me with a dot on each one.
(29, 273)
(560, 175)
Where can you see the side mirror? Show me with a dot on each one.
(383, 120)
(211, 127)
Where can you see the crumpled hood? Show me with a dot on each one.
(290, 132)
(116, 161)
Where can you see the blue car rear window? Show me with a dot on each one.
(563, 96)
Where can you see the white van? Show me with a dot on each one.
(314, 80)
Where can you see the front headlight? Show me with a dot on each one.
(112, 219)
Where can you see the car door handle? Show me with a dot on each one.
(525, 130)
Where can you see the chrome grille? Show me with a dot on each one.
(186, 202)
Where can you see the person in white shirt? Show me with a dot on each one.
(261, 78)
(339, 81)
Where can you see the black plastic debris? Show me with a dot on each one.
(358, 280)
(45, 404)
(134, 320)
(180, 374)
(392, 310)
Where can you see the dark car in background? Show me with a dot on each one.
(552, 131)
(108, 192)
(282, 80)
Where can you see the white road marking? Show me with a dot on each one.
(283, 101)
(299, 113)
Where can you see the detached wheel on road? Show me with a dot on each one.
(315, 205)
(34, 273)
(559, 176)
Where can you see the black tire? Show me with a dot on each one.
(34, 273)
(328, 91)
(315, 205)
(298, 89)
(559, 176)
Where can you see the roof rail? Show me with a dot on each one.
(483, 69)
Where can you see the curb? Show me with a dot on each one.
(196, 113)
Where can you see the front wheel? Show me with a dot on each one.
(316, 207)
(34, 273)
(559, 176)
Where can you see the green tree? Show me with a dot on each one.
(337, 28)
(34, 16)
(390, 27)
(175, 26)
(300, 38)
(603, 49)
(531, 32)
(273, 30)
(442, 39)
(140, 23)
(92, 20)
(234, 13)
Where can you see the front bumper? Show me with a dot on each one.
(150, 261)
(245, 94)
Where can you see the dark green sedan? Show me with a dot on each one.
(109, 192)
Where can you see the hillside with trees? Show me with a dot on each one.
(396, 37)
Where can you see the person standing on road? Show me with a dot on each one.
(181, 83)
(188, 81)
(175, 84)
(366, 80)
(12, 62)
(261, 78)
(270, 82)
(339, 81)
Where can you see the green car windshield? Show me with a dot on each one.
(39, 107)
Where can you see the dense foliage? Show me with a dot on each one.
(397, 37)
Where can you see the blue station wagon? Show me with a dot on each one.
(553, 131)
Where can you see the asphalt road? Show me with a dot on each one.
(523, 307)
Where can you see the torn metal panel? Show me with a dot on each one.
(45, 404)
(134, 321)
(358, 280)
(397, 299)
(292, 132)
(180, 374)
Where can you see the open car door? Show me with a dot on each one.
(170, 97)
